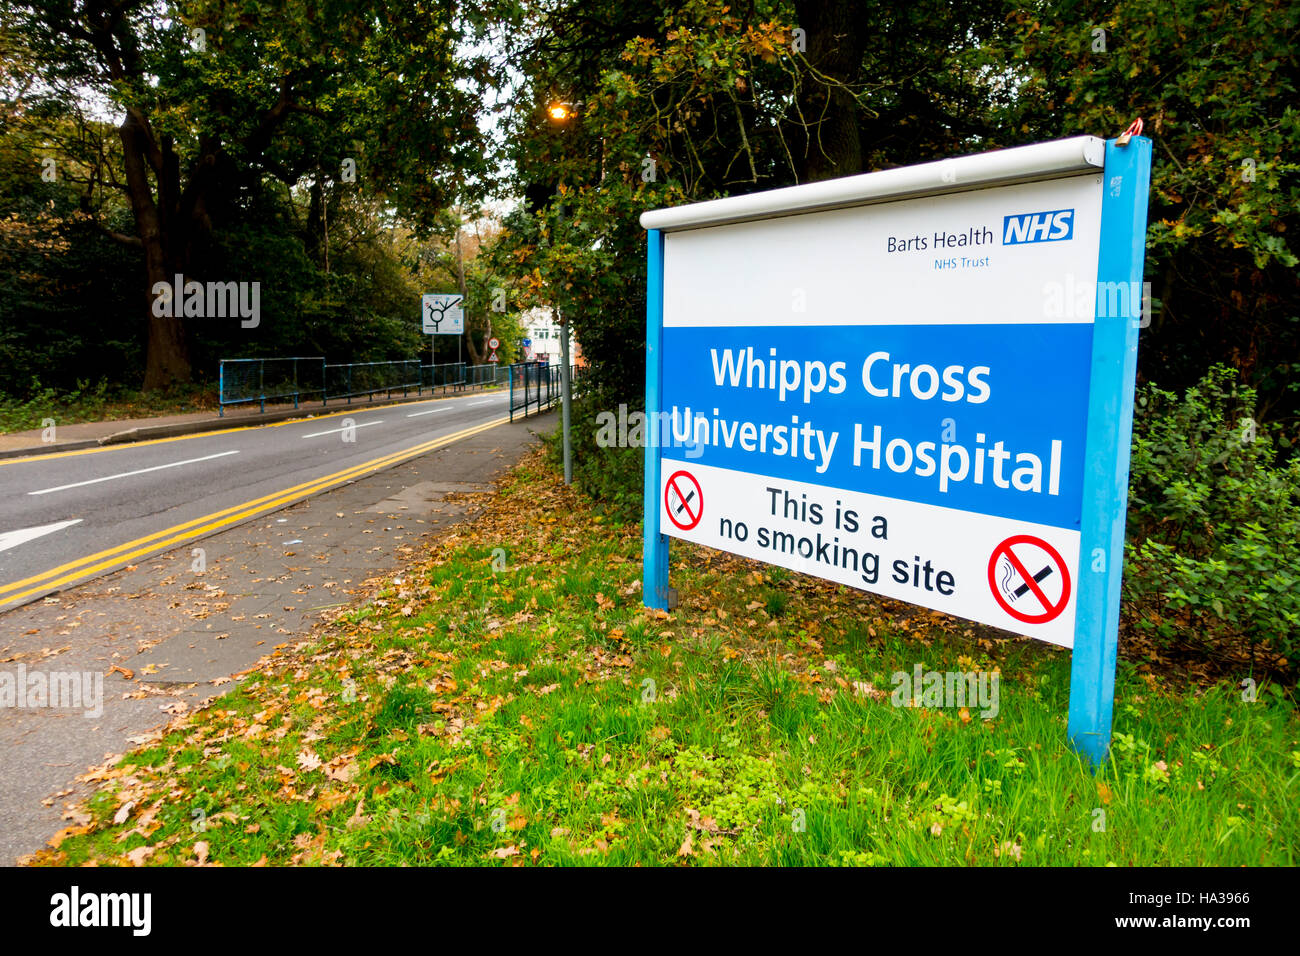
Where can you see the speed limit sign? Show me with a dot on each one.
(494, 343)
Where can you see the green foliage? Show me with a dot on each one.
(713, 96)
(611, 476)
(1213, 521)
(1217, 86)
(263, 120)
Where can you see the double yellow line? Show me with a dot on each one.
(79, 570)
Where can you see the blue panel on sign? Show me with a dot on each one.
(988, 419)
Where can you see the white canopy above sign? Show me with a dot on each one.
(1022, 164)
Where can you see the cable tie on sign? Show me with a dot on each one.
(1135, 129)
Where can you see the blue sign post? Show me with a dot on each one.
(1110, 427)
(917, 382)
(654, 586)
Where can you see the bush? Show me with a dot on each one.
(1213, 521)
(611, 476)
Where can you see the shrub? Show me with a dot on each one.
(611, 476)
(1213, 521)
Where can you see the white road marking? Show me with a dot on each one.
(335, 431)
(472, 404)
(138, 471)
(12, 539)
(432, 411)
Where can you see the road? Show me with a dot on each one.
(69, 517)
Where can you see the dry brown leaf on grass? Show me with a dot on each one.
(308, 761)
(358, 818)
(66, 833)
(342, 769)
(137, 856)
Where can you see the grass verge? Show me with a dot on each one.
(100, 403)
(509, 700)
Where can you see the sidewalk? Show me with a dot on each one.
(95, 434)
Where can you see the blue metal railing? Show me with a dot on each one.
(243, 381)
(240, 381)
(536, 386)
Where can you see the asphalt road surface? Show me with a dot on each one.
(69, 517)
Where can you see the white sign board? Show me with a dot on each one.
(441, 314)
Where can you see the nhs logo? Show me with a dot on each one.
(1050, 226)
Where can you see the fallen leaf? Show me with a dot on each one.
(308, 760)
(139, 855)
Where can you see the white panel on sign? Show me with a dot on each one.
(1038, 161)
(901, 549)
(932, 261)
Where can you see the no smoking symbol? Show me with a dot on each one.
(684, 500)
(1024, 573)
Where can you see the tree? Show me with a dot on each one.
(214, 102)
(680, 102)
(1217, 86)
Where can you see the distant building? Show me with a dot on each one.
(542, 338)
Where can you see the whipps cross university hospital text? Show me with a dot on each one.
(958, 416)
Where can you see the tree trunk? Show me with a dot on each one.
(475, 356)
(167, 358)
(834, 35)
(167, 353)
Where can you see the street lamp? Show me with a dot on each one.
(561, 112)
